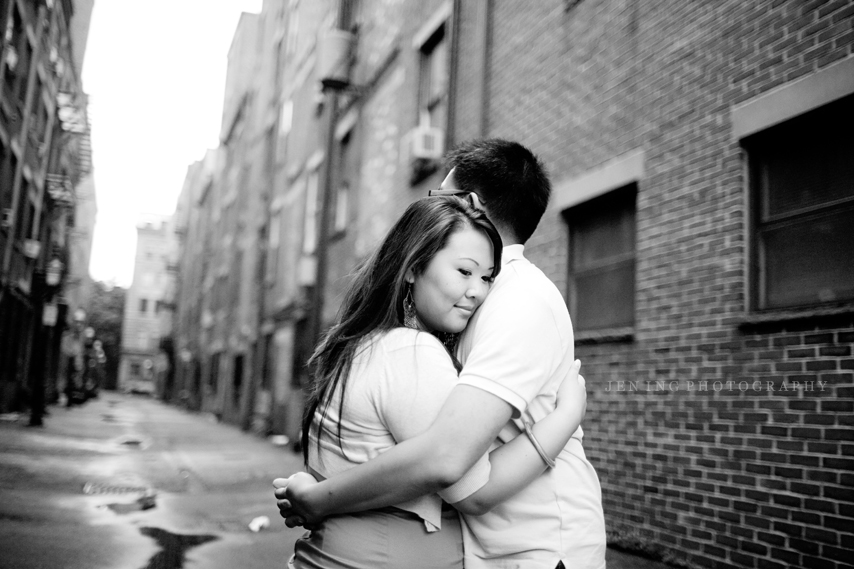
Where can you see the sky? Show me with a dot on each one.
(155, 74)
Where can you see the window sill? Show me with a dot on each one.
(337, 235)
(795, 316)
(609, 335)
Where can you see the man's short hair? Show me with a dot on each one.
(508, 177)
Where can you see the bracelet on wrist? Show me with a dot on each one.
(530, 432)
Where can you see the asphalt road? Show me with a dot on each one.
(128, 482)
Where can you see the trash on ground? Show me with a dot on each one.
(259, 523)
(279, 440)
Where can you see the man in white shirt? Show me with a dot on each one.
(516, 350)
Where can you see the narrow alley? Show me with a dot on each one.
(131, 483)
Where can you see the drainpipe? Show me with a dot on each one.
(452, 75)
(334, 70)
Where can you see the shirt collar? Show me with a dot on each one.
(512, 253)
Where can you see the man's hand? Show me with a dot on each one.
(291, 494)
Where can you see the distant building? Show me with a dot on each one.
(146, 328)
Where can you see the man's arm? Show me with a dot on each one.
(517, 464)
(467, 424)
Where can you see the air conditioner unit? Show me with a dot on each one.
(334, 59)
(426, 143)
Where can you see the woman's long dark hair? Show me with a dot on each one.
(374, 300)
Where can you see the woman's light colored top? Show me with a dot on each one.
(397, 385)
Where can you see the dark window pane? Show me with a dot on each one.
(605, 298)
(803, 171)
(601, 235)
(809, 162)
(602, 261)
(810, 262)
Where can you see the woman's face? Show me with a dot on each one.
(454, 283)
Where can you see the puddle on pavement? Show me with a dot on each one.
(142, 503)
(174, 547)
(135, 442)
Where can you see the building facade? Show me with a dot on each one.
(46, 196)
(699, 230)
(147, 356)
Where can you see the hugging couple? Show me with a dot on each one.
(442, 429)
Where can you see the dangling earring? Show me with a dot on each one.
(410, 319)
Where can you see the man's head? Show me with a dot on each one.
(510, 181)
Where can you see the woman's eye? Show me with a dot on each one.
(465, 272)
(489, 280)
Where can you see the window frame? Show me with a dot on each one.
(624, 193)
(435, 31)
(758, 223)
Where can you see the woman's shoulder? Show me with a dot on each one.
(398, 338)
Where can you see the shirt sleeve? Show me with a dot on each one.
(419, 376)
(516, 348)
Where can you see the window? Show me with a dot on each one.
(134, 369)
(802, 190)
(602, 261)
(273, 245)
(237, 378)
(8, 165)
(433, 80)
(293, 27)
(342, 199)
(342, 192)
(269, 360)
(286, 117)
(26, 215)
(143, 305)
(309, 239)
(213, 372)
(302, 351)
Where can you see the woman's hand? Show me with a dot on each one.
(572, 393)
(291, 499)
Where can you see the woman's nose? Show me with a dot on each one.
(478, 291)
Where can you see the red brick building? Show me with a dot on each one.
(699, 230)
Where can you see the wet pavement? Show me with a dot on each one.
(129, 482)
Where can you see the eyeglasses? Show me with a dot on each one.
(474, 200)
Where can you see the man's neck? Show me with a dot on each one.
(507, 237)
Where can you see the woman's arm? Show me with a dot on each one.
(517, 463)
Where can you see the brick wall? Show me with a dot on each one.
(722, 477)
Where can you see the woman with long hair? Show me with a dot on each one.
(381, 374)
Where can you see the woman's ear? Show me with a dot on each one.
(409, 277)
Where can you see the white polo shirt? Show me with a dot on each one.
(519, 347)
